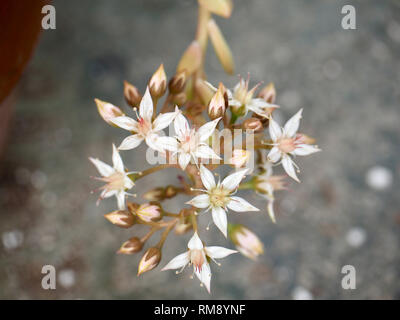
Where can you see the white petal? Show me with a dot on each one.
(206, 130)
(232, 181)
(235, 103)
(201, 201)
(274, 155)
(216, 252)
(155, 142)
(287, 164)
(117, 161)
(270, 209)
(183, 160)
(167, 143)
(195, 242)
(107, 194)
(220, 219)
(130, 142)
(128, 183)
(206, 152)
(163, 120)
(104, 169)
(146, 106)
(240, 205)
(292, 125)
(305, 149)
(125, 123)
(275, 130)
(205, 275)
(121, 200)
(178, 262)
(207, 178)
(181, 126)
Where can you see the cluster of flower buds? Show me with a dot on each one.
(196, 112)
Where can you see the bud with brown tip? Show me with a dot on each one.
(149, 261)
(177, 83)
(252, 124)
(217, 106)
(121, 218)
(131, 246)
(170, 192)
(156, 194)
(108, 111)
(132, 95)
(268, 93)
(179, 99)
(158, 83)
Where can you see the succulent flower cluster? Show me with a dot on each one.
(196, 112)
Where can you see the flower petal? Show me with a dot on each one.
(201, 201)
(125, 123)
(292, 125)
(240, 205)
(232, 181)
(274, 155)
(121, 200)
(216, 252)
(206, 130)
(178, 262)
(181, 126)
(195, 243)
(155, 142)
(117, 161)
(146, 106)
(167, 143)
(220, 219)
(275, 131)
(128, 183)
(305, 149)
(130, 142)
(163, 120)
(287, 164)
(205, 275)
(207, 178)
(206, 152)
(104, 169)
(270, 209)
(183, 160)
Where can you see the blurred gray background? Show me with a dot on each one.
(346, 211)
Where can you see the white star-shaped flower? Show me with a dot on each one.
(191, 143)
(116, 178)
(197, 255)
(218, 197)
(145, 128)
(286, 143)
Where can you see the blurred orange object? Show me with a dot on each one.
(20, 28)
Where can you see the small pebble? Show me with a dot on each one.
(379, 178)
(301, 293)
(356, 237)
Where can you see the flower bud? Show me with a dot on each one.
(150, 260)
(252, 124)
(108, 111)
(246, 241)
(221, 47)
(121, 218)
(132, 95)
(177, 83)
(268, 93)
(179, 99)
(220, 7)
(149, 212)
(217, 106)
(191, 59)
(170, 192)
(156, 194)
(131, 246)
(240, 157)
(158, 83)
(204, 91)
